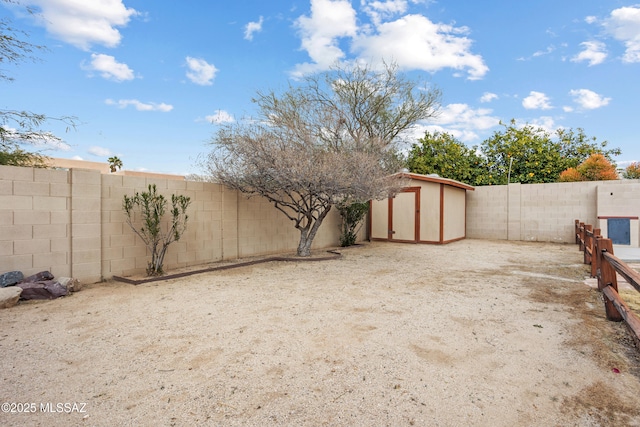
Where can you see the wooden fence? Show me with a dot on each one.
(605, 266)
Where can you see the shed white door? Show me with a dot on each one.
(404, 212)
(380, 219)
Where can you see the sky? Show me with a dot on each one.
(150, 81)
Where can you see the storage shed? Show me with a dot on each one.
(429, 210)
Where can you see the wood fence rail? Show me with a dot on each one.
(605, 266)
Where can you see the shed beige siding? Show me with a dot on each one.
(429, 210)
(380, 210)
(455, 218)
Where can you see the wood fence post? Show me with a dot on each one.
(588, 244)
(594, 255)
(597, 259)
(607, 277)
(581, 233)
(576, 229)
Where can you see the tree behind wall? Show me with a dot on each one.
(632, 171)
(442, 154)
(114, 163)
(332, 139)
(538, 156)
(596, 168)
(524, 154)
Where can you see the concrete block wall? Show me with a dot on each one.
(124, 253)
(514, 212)
(546, 212)
(619, 198)
(70, 222)
(619, 201)
(85, 204)
(35, 221)
(264, 229)
(549, 210)
(487, 215)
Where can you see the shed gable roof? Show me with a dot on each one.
(439, 180)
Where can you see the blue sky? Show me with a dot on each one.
(149, 80)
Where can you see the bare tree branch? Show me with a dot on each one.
(332, 139)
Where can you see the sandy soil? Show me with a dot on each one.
(474, 333)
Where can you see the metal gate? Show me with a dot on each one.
(619, 231)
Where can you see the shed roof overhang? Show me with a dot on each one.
(437, 179)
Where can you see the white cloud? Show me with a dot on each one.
(379, 10)
(590, 19)
(547, 51)
(588, 99)
(411, 41)
(624, 25)
(536, 101)
(594, 51)
(252, 27)
(200, 72)
(109, 68)
(463, 116)
(219, 117)
(459, 120)
(329, 21)
(140, 106)
(99, 151)
(464, 135)
(84, 23)
(415, 42)
(545, 122)
(50, 142)
(488, 97)
(623, 164)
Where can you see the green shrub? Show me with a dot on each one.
(352, 215)
(152, 207)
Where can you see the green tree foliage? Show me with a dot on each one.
(352, 215)
(524, 154)
(19, 157)
(442, 154)
(632, 171)
(538, 156)
(20, 128)
(152, 207)
(114, 163)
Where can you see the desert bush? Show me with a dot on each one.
(152, 208)
(352, 219)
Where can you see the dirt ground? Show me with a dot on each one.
(474, 333)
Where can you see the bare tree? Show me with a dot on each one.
(19, 128)
(331, 139)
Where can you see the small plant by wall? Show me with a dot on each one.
(352, 217)
(152, 208)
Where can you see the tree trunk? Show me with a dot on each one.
(304, 246)
(308, 234)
